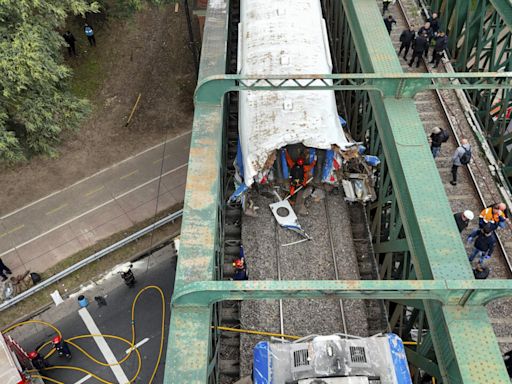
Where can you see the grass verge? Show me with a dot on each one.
(72, 282)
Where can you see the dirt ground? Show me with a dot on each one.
(148, 54)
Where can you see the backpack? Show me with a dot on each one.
(466, 157)
(445, 136)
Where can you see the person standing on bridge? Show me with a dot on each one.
(385, 6)
(439, 47)
(389, 21)
(461, 156)
(437, 138)
(418, 47)
(462, 219)
(406, 39)
(483, 247)
(4, 270)
(434, 23)
(427, 28)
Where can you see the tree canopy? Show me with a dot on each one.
(36, 104)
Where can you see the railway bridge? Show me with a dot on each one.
(423, 275)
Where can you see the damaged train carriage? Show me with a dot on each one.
(291, 138)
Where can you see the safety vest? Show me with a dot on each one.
(488, 216)
(88, 31)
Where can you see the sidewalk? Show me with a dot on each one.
(47, 231)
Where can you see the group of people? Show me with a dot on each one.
(71, 41)
(484, 237)
(61, 347)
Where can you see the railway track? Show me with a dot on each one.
(476, 188)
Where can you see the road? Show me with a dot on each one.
(114, 319)
(49, 230)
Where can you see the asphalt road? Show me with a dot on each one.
(115, 319)
(51, 229)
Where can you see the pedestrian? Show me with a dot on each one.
(38, 361)
(483, 247)
(434, 23)
(89, 32)
(462, 219)
(437, 138)
(62, 347)
(461, 156)
(4, 270)
(439, 47)
(385, 6)
(406, 38)
(70, 39)
(418, 47)
(389, 21)
(428, 30)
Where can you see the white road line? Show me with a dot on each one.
(83, 379)
(92, 210)
(94, 174)
(103, 346)
(140, 343)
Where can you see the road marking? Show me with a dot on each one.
(95, 174)
(83, 379)
(12, 230)
(160, 159)
(139, 344)
(57, 209)
(107, 353)
(93, 209)
(94, 191)
(129, 174)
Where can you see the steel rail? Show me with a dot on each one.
(96, 256)
(456, 136)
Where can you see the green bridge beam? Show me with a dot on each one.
(434, 241)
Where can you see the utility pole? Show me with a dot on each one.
(191, 41)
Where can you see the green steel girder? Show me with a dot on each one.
(448, 292)
(504, 8)
(213, 88)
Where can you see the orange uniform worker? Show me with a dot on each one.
(494, 216)
(299, 172)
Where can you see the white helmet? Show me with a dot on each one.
(468, 214)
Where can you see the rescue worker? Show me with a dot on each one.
(299, 172)
(439, 47)
(462, 219)
(38, 361)
(418, 47)
(494, 216)
(385, 6)
(483, 247)
(406, 39)
(427, 29)
(461, 156)
(240, 266)
(61, 347)
(389, 21)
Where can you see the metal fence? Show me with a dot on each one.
(96, 256)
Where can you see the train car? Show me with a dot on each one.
(332, 359)
(277, 128)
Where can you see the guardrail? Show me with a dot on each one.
(96, 256)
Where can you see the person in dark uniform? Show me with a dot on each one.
(439, 47)
(462, 219)
(38, 361)
(434, 23)
(427, 28)
(389, 21)
(70, 39)
(385, 6)
(418, 48)
(406, 39)
(61, 347)
(4, 270)
(437, 138)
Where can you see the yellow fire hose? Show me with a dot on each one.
(89, 356)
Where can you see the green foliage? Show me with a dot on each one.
(36, 104)
(124, 8)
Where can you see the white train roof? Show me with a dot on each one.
(284, 37)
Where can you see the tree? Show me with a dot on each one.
(36, 104)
